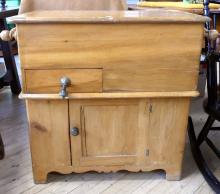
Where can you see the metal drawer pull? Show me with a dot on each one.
(65, 82)
(74, 131)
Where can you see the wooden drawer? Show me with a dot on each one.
(48, 81)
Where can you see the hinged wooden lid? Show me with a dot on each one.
(143, 16)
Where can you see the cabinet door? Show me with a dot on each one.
(109, 131)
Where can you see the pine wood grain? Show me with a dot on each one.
(82, 16)
(49, 129)
(48, 81)
(129, 64)
(168, 117)
(107, 132)
(111, 95)
(138, 64)
(14, 131)
(32, 5)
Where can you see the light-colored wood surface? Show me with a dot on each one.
(114, 134)
(100, 124)
(7, 35)
(176, 5)
(151, 15)
(145, 134)
(179, 4)
(33, 5)
(111, 136)
(108, 131)
(16, 173)
(129, 64)
(112, 95)
(49, 134)
(48, 81)
(167, 5)
(168, 116)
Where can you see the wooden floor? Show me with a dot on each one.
(16, 175)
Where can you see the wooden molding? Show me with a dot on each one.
(111, 95)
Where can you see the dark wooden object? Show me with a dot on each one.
(11, 78)
(2, 152)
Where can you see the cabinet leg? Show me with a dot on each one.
(173, 175)
(40, 177)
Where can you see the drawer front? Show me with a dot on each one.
(48, 81)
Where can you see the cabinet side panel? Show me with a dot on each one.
(49, 134)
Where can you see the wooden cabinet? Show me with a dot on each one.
(108, 91)
(128, 132)
(111, 135)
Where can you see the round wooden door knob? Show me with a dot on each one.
(7, 35)
(211, 34)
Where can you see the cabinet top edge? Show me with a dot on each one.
(180, 94)
(141, 16)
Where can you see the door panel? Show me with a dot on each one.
(106, 128)
(108, 131)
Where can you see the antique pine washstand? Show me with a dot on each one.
(108, 90)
